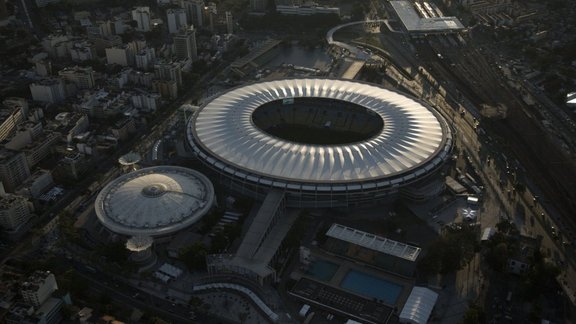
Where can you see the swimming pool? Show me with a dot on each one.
(322, 270)
(371, 287)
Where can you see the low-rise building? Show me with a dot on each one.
(38, 287)
(24, 135)
(102, 43)
(72, 166)
(123, 127)
(100, 28)
(48, 90)
(15, 211)
(522, 260)
(71, 124)
(36, 184)
(14, 169)
(102, 103)
(21, 313)
(57, 46)
(82, 77)
(12, 113)
(41, 147)
(83, 51)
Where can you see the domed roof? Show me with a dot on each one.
(154, 201)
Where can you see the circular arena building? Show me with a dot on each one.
(155, 201)
(324, 142)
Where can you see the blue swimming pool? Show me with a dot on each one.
(322, 270)
(371, 287)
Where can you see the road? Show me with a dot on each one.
(128, 296)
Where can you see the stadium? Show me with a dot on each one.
(323, 142)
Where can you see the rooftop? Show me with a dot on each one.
(413, 141)
(342, 302)
(373, 242)
(154, 201)
(419, 305)
(414, 23)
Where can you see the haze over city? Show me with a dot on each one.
(287, 161)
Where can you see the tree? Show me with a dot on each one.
(219, 242)
(71, 281)
(297, 231)
(498, 257)
(195, 302)
(540, 276)
(114, 252)
(195, 256)
(505, 226)
(232, 231)
(452, 250)
(242, 316)
(474, 315)
(199, 67)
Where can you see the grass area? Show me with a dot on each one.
(370, 39)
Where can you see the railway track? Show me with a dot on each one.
(545, 162)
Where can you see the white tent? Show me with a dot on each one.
(419, 306)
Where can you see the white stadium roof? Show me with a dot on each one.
(154, 201)
(224, 134)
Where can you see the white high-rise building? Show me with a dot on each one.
(169, 71)
(229, 22)
(121, 55)
(258, 5)
(185, 44)
(146, 101)
(56, 45)
(142, 17)
(14, 211)
(38, 287)
(176, 20)
(48, 90)
(118, 26)
(211, 12)
(194, 11)
(145, 58)
(44, 3)
(79, 53)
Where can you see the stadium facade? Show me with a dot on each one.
(323, 142)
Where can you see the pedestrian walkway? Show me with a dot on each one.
(244, 291)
